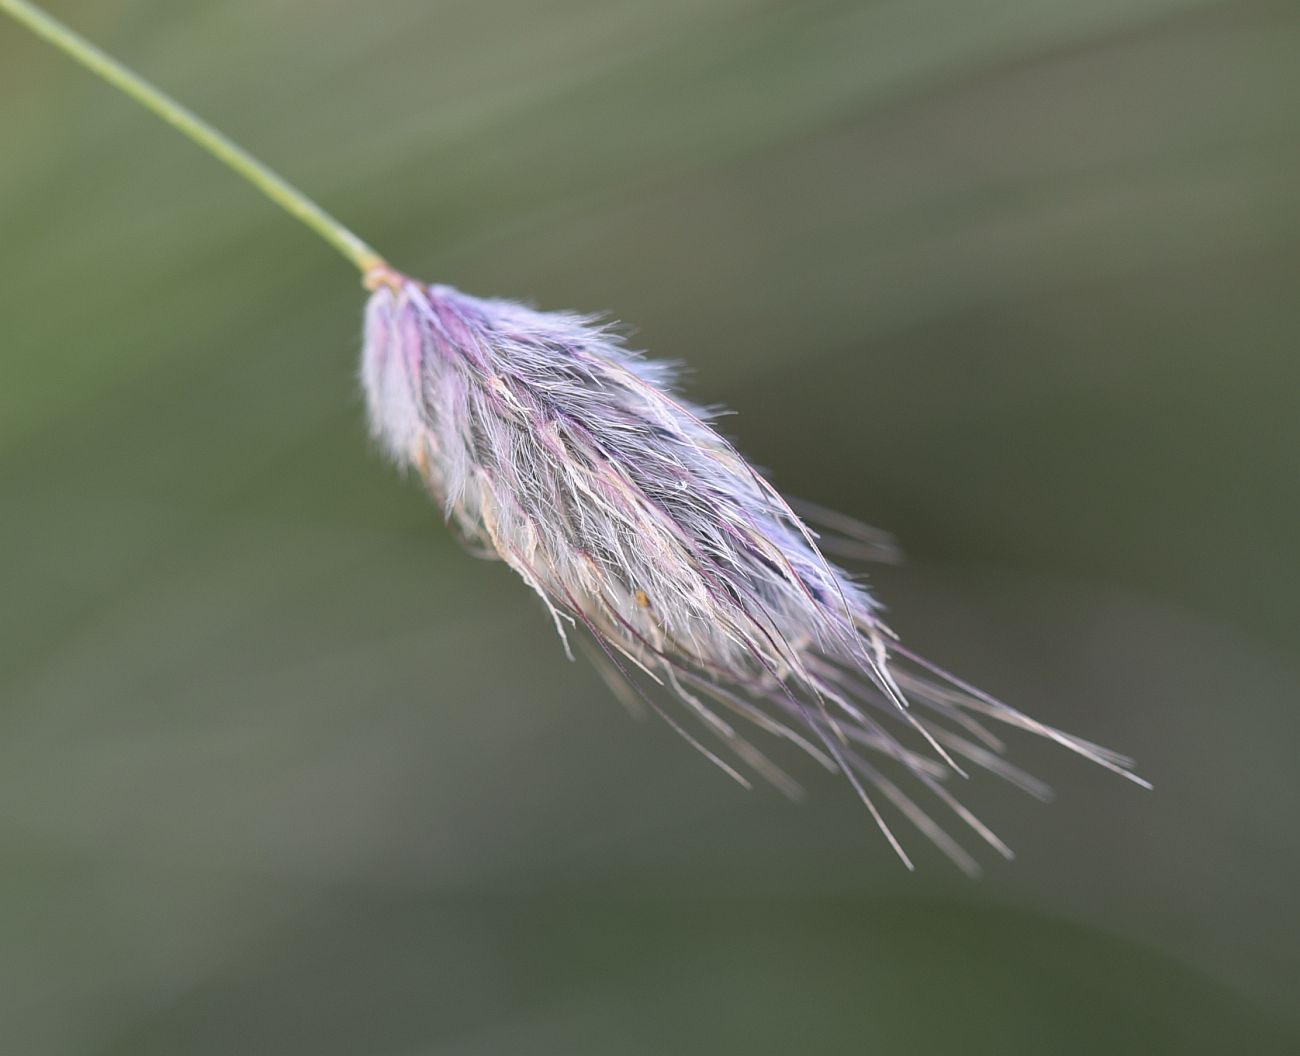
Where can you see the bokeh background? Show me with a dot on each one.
(283, 771)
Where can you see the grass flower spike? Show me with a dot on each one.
(551, 445)
(693, 586)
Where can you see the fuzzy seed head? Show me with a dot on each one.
(696, 589)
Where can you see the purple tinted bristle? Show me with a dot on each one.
(554, 447)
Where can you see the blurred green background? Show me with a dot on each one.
(283, 771)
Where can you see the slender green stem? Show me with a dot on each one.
(191, 125)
